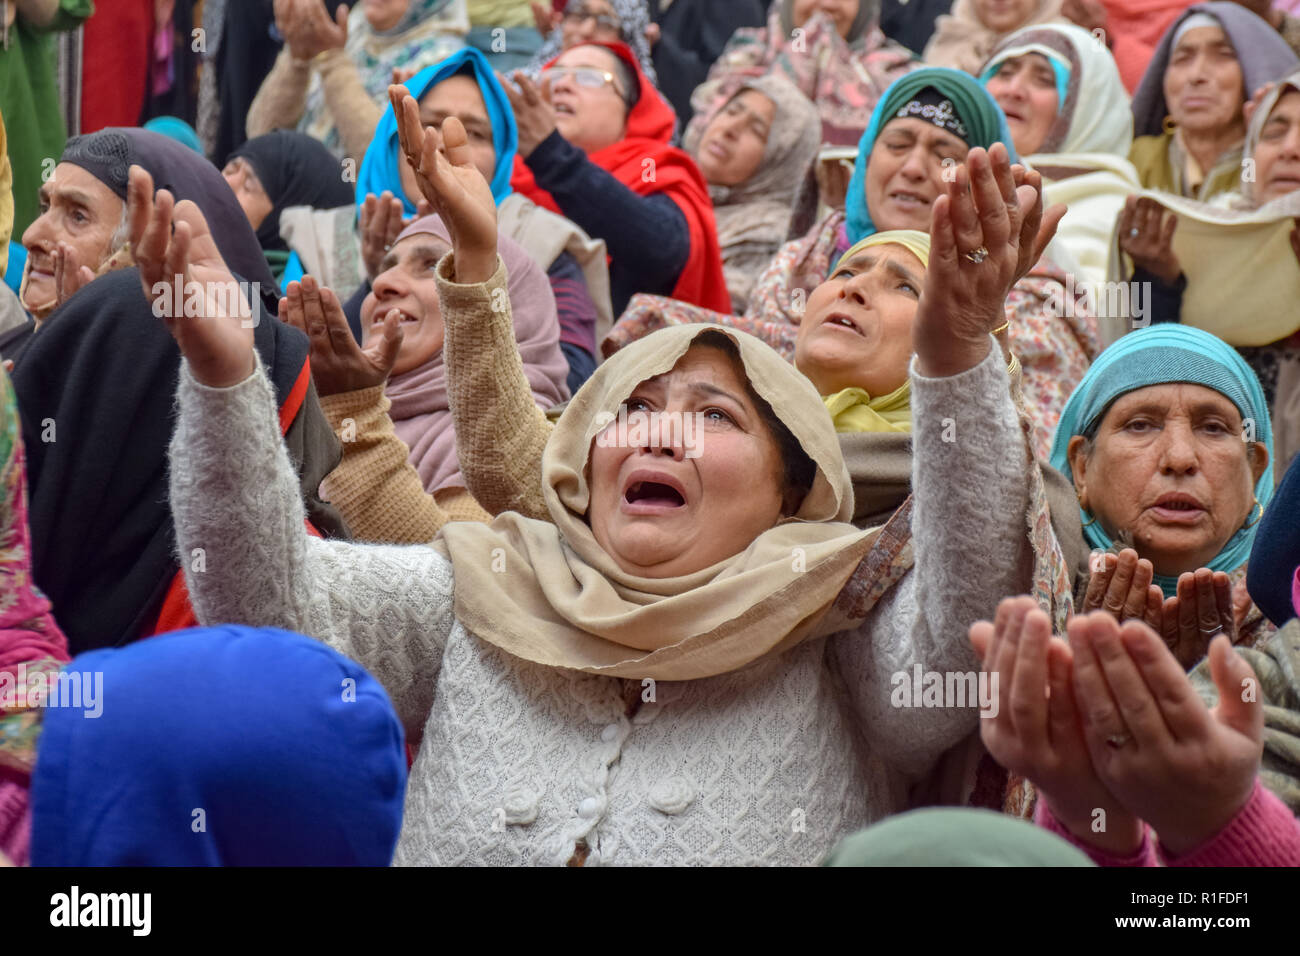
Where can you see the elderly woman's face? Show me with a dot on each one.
(590, 21)
(384, 14)
(676, 497)
(248, 189)
(1277, 155)
(1004, 16)
(1169, 467)
(857, 331)
(733, 143)
(1203, 84)
(841, 12)
(905, 172)
(407, 282)
(589, 117)
(1025, 88)
(76, 209)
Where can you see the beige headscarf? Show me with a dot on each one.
(549, 593)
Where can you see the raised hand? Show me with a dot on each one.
(69, 275)
(218, 343)
(338, 363)
(534, 115)
(381, 222)
(1202, 608)
(1177, 765)
(307, 28)
(1249, 107)
(1121, 586)
(985, 232)
(449, 180)
(1148, 237)
(1037, 731)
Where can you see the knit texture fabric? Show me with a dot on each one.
(521, 763)
(375, 488)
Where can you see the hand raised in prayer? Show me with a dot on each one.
(1202, 608)
(545, 18)
(381, 222)
(1121, 586)
(1037, 731)
(1248, 108)
(449, 180)
(307, 28)
(338, 363)
(534, 115)
(218, 343)
(1148, 237)
(985, 233)
(1089, 14)
(1181, 767)
(69, 276)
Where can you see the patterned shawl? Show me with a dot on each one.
(844, 78)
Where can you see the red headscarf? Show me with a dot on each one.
(650, 125)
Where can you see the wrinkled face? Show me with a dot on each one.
(1025, 88)
(406, 282)
(457, 96)
(905, 172)
(384, 14)
(857, 331)
(77, 209)
(590, 118)
(248, 189)
(590, 21)
(733, 143)
(1277, 155)
(661, 513)
(841, 12)
(1169, 466)
(1004, 16)
(1203, 85)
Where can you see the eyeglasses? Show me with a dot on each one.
(579, 14)
(586, 76)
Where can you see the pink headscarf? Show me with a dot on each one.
(421, 414)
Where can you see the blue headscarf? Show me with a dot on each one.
(379, 169)
(219, 746)
(978, 111)
(1162, 355)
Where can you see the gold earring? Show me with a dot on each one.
(1090, 522)
(1261, 515)
(1169, 125)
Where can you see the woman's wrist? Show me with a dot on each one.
(1112, 830)
(474, 266)
(223, 373)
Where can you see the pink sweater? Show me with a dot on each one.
(1264, 833)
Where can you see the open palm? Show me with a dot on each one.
(214, 332)
(453, 185)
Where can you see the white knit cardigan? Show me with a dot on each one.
(522, 764)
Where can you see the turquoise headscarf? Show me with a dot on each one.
(1162, 355)
(978, 111)
(379, 169)
(1060, 69)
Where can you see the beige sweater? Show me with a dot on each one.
(283, 96)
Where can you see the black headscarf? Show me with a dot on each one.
(295, 170)
(96, 387)
(109, 153)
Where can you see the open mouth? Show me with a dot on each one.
(652, 493)
(564, 109)
(715, 148)
(909, 200)
(1178, 508)
(403, 317)
(839, 320)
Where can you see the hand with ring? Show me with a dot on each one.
(1202, 608)
(1035, 730)
(1146, 234)
(1183, 768)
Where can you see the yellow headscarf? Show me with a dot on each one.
(852, 409)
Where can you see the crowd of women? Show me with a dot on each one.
(607, 431)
